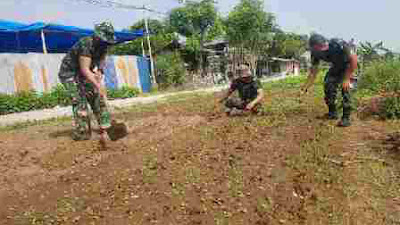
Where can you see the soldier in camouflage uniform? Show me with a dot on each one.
(343, 63)
(250, 93)
(83, 82)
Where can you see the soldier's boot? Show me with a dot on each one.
(78, 135)
(236, 112)
(82, 129)
(332, 114)
(345, 121)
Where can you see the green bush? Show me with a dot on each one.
(22, 101)
(383, 78)
(31, 100)
(170, 70)
(124, 92)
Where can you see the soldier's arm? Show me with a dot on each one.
(260, 97)
(232, 89)
(352, 63)
(84, 66)
(227, 95)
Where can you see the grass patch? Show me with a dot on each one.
(69, 205)
(207, 133)
(221, 218)
(235, 176)
(178, 189)
(288, 83)
(264, 205)
(36, 218)
(48, 122)
(192, 175)
(150, 169)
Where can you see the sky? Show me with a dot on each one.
(359, 19)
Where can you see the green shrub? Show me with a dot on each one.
(31, 100)
(22, 101)
(170, 70)
(124, 92)
(383, 78)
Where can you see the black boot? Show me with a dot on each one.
(345, 122)
(332, 115)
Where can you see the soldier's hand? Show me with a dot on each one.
(346, 85)
(102, 90)
(98, 74)
(249, 107)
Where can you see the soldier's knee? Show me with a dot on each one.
(82, 113)
(229, 103)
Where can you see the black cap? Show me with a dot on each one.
(316, 39)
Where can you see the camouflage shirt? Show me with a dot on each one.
(69, 69)
(338, 54)
(247, 91)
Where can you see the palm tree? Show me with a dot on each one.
(370, 52)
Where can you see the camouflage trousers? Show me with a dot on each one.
(82, 93)
(237, 103)
(333, 80)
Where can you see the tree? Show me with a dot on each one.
(194, 20)
(249, 28)
(160, 36)
(155, 26)
(370, 52)
(288, 45)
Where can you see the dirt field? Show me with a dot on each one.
(187, 163)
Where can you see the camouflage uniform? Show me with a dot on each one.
(338, 55)
(80, 90)
(247, 93)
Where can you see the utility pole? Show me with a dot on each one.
(148, 43)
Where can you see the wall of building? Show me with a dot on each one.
(39, 72)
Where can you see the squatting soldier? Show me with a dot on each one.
(250, 93)
(343, 64)
(83, 83)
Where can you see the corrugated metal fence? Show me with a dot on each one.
(22, 72)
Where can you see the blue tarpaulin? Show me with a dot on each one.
(21, 38)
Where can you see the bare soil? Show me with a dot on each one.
(185, 162)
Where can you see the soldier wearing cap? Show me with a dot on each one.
(82, 81)
(250, 93)
(343, 64)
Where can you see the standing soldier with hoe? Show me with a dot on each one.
(82, 80)
(343, 64)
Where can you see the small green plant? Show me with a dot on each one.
(235, 177)
(150, 169)
(154, 90)
(193, 175)
(124, 92)
(68, 205)
(32, 100)
(264, 205)
(35, 218)
(221, 218)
